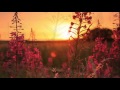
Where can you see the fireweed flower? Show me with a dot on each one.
(56, 75)
(19, 55)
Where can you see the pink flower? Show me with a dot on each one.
(13, 33)
(56, 75)
(64, 65)
(50, 60)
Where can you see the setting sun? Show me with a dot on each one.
(62, 31)
(59, 45)
(49, 25)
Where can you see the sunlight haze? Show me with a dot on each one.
(48, 25)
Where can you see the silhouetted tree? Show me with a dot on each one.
(100, 32)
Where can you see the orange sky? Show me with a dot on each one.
(48, 25)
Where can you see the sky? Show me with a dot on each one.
(48, 25)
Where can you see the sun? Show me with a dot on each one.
(62, 32)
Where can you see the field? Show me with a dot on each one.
(57, 50)
(87, 54)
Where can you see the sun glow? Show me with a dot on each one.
(44, 24)
(62, 32)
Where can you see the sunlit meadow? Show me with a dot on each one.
(63, 45)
